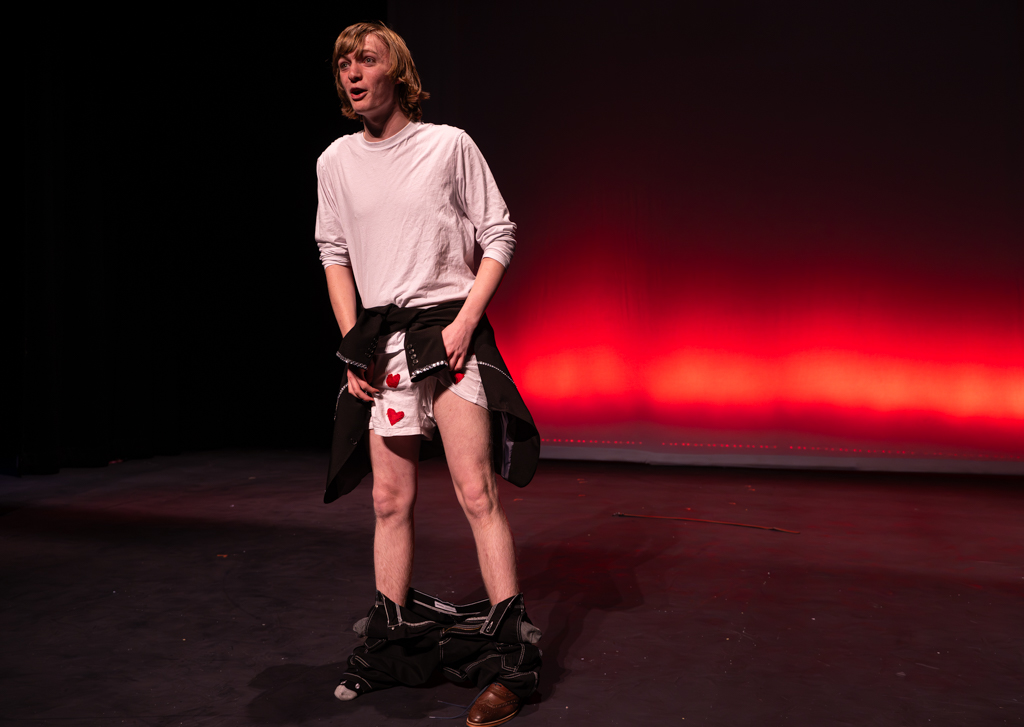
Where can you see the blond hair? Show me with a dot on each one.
(408, 88)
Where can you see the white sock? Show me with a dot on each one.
(344, 693)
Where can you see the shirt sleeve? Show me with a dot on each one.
(330, 237)
(482, 203)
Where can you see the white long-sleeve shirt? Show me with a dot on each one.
(411, 214)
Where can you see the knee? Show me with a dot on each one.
(479, 501)
(390, 503)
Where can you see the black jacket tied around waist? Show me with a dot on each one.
(515, 443)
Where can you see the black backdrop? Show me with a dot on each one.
(167, 293)
(170, 295)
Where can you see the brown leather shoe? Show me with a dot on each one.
(497, 705)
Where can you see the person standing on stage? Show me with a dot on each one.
(411, 220)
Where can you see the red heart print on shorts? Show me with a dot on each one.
(395, 416)
(459, 377)
(392, 380)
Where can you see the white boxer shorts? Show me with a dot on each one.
(404, 408)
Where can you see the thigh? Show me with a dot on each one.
(466, 431)
(467, 383)
(395, 462)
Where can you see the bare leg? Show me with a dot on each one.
(395, 462)
(466, 430)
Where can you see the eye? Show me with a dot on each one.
(343, 65)
(369, 59)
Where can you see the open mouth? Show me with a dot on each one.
(356, 93)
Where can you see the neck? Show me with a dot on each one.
(381, 128)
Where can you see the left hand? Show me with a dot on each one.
(456, 343)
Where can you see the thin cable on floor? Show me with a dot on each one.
(464, 707)
(714, 522)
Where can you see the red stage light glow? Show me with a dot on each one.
(847, 379)
(882, 361)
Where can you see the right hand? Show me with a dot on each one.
(358, 386)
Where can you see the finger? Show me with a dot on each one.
(366, 387)
(356, 391)
(356, 387)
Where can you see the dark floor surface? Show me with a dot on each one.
(217, 589)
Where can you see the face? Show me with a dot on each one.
(364, 76)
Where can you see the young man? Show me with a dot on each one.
(410, 219)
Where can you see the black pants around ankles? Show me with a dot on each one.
(477, 643)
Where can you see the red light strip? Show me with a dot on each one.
(847, 379)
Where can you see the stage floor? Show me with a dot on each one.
(217, 589)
